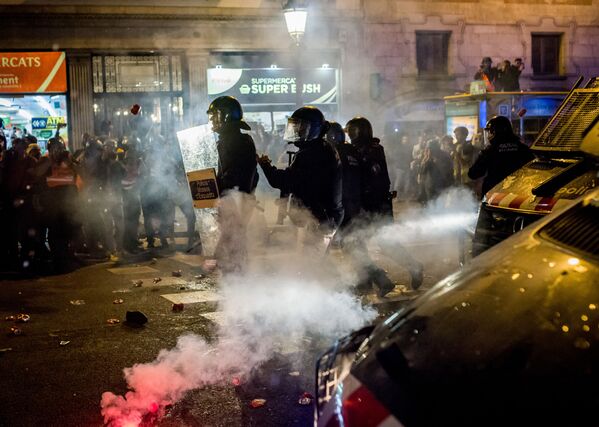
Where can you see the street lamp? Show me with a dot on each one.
(296, 13)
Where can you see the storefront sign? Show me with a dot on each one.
(541, 106)
(461, 108)
(46, 122)
(33, 72)
(273, 86)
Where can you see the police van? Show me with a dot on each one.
(566, 167)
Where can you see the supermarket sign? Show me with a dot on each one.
(33, 72)
(274, 86)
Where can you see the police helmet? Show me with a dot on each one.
(226, 109)
(335, 134)
(499, 126)
(305, 124)
(359, 129)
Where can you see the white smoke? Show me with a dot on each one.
(455, 210)
(275, 304)
(284, 296)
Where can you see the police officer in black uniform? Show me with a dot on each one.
(236, 171)
(377, 205)
(314, 177)
(351, 172)
(504, 154)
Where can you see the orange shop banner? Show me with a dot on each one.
(33, 72)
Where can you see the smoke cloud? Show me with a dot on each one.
(285, 295)
(274, 304)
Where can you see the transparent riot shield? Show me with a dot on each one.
(198, 149)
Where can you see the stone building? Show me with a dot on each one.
(391, 60)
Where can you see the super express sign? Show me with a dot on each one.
(33, 72)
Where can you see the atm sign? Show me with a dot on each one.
(46, 122)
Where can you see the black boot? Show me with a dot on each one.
(380, 279)
(417, 274)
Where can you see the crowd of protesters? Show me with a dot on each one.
(505, 77)
(422, 166)
(58, 207)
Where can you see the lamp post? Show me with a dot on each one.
(296, 14)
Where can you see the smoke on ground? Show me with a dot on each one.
(289, 291)
(274, 305)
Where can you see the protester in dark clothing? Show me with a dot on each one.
(115, 172)
(436, 170)
(12, 191)
(236, 170)
(507, 77)
(517, 68)
(155, 184)
(504, 155)
(93, 175)
(314, 178)
(487, 73)
(59, 202)
(463, 157)
(130, 184)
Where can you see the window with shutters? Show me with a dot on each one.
(431, 52)
(546, 54)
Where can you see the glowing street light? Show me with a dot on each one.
(296, 14)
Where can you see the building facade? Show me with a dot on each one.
(390, 60)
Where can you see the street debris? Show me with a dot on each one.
(138, 283)
(15, 331)
(5, 350)
(256, 403)
(157, 280)
(153, 261)
(136, 318)
(113, 321)
(118, 301)
(306, 399)
(22, 318)
(177, 273)
(209, 265)
(198, 276)
(63, 343)
(178, 307)
(77, 302)
(294, 374)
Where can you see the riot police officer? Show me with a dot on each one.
(503, 154)
(377, 204)
(314, 177)
(376, 198)
(351, 172)
(236, 170)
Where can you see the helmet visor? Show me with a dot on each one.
(216, 119)
(297, 130)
